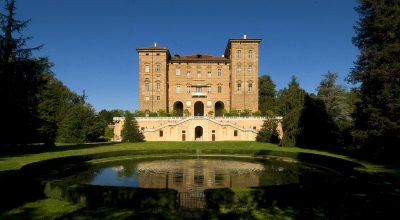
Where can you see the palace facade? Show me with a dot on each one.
(198, 89)
(200, 84)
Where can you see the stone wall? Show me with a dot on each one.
(196, 128)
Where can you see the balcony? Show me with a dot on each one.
(199, 94)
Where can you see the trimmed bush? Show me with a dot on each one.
(112, 196)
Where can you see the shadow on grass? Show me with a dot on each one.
(104, 213)
(35, 149)
(364, 197)
(114, 213)
(17, 189)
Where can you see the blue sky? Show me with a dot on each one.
(92, 42)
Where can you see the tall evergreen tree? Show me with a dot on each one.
(19, 81)
(291, 102)
(335, 99)
(130, 131)
(316, 126)
(269, 131)
(267, 95)
(377, 118)
(54, 102)
(80, 125)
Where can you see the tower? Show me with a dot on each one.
(153, 78)
(243, 56)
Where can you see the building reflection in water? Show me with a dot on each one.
(190, 177)
(199, 174)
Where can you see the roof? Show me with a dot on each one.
(152, 48)
(245, 39)
(199, 58)
(238, 40)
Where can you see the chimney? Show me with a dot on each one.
(244, 36)
(155, 44)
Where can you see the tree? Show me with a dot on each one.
(377, 69)
(130, 131)
(19, 81)
(291, 102)
(335, 99)
(80, 125)
(316, 126)
(269, 132)
(54, 101)
(266, 95)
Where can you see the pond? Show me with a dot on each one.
(200, 173)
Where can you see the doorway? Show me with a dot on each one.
(198, 133)
(198, 108)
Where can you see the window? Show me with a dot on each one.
(250, 88)
(178, 71)
(235, 133)
(239, 68)
(209, 73)
(209, 89)
(146, 68)
(178, 88)
(158, 98)
(250, 53)
(219, 72)
(158, 87)
(213, 131)
(239, 53)
(188, 74)
(199, 89)
(183, 132)
(188, 89)
(146, 87)
(219, 89)
(147, 98)
(198, 74)
(250, 68)
(158, 67)
(254, 127)
(239, 87)
(161, 133)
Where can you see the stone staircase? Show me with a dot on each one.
(220, 122)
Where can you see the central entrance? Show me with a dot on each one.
(198, 108)
(178, 108)
(219, 109)
(198, 133)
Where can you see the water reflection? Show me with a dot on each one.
(197, 174)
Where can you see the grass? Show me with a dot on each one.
(41, 209)
(51, 208)
(15, 162)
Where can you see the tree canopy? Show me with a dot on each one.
(267, 95)
(20, 80)
(291, 102)
(377, 69)
(130, 131)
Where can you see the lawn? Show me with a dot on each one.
(35, 153)
(375, 183)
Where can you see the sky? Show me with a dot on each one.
(92, 43)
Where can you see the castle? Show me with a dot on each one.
(202, 84)
(198, 89)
